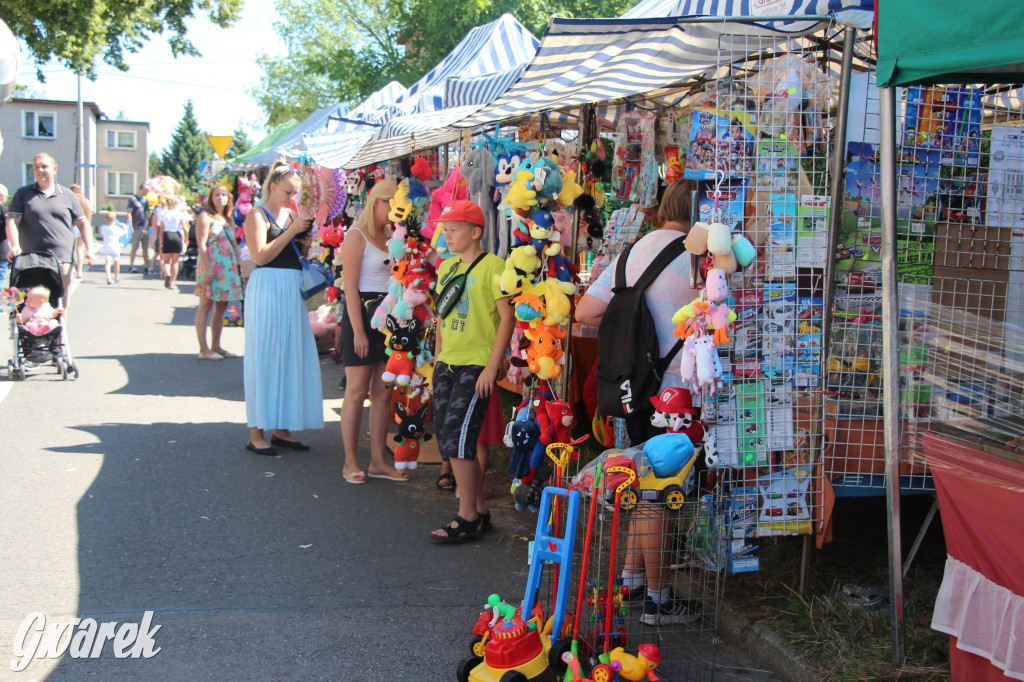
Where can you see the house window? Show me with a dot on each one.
(120, 184)
(28, 175)
(40, 125)
(120, 139)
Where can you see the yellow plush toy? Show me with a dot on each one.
(571, 191)
(520, 195)
(556, 300)
(520, 267)
(400, 204)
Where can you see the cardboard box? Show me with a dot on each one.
(982, 292)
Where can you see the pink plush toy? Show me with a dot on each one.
(717, 285)
(709, 372)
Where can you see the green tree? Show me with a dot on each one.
(154, 164)
(76, 32)
(347, 49)
(240, 144)
(188, 147)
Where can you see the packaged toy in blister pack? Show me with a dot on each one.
(634, 170)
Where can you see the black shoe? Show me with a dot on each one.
(485, 523)
(674, 610)
(290, 444)
(270, 452)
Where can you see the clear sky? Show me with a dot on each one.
(156, 85)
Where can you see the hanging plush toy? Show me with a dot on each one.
(479, 173)
(544, 352)
(411, 434)
(403, 346)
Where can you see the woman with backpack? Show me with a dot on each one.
(645, 571)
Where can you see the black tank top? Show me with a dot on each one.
(288, 259)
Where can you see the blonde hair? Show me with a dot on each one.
(383, 189)
(677, 204)
(76, 189)
(278, 170)
(110, 215)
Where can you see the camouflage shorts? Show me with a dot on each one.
(458, 412)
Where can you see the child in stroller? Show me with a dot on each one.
(37, 326)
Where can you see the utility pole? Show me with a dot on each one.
(80, 144)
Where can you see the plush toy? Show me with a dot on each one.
(673, 410)
(719, 239)
(556, 300)
(479, 173)
(709, 372)
(716, 284)
(542, 236)
(555, 422)
(396, 245)
(506, 164)
(403, 346)
(420, 169)
(544, 352)
(400, 203)
(521, 197)
(547, 179)
(697, 239)
(523, 436)
(520, 267)
(688, 363)
(528, 306)
(571, 190)
(411, 433)
(700, 313)
(711, 457)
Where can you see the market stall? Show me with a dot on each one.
(958, 405)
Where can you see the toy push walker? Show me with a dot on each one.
(517, 647)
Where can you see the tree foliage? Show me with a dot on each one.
(240, 144)
(188, 147)
(347, 49)
(76, 32)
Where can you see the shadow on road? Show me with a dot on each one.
(274, 568)
(161, 374)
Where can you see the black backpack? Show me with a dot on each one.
(629, 362)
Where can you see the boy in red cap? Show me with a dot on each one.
(475, 324)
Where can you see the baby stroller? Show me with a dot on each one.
(190, 259)
(31, 270)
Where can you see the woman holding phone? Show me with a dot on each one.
(281, 369)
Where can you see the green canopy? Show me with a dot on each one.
(259, 151)
(935, 41)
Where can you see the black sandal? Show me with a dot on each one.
(485, 523)
(462, 531)
(446, 482)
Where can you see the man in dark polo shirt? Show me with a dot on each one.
(41, 216)
(138, 214)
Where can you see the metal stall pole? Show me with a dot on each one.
(891, 368)
(587, 111)
(835, 224)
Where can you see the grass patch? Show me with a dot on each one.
(840, 641)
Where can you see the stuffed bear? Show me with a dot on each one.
(411, 433)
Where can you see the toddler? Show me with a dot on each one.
(37, 316)
(112, 232)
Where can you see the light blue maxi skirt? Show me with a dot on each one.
(282, 372)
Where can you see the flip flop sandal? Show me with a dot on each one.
(462, 531)
(446, 482)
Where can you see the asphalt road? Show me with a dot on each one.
(130, 490)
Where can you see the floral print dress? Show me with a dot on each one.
(223, 256)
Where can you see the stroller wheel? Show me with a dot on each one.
(74, 368)
(19, 374)
(62, 368)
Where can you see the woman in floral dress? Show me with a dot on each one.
(218, 278)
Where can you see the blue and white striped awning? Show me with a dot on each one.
(856, 13)
(480, 68)
(594, 61)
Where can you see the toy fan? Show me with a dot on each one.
(308, 199)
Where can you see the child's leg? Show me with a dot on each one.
(457, 436)
(174, 268)
(117, 268)
(106, 268)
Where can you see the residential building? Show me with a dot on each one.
(116, 159)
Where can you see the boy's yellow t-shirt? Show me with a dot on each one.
(469, 332)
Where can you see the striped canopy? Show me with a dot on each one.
(480, 68)
(857, 13)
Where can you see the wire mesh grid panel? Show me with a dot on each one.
(958, 235)
(647, 590)
(759, 147)
(961, 343)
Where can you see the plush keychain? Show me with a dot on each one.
(403, 346)
(411, 433)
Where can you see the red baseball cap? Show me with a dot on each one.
(464, 210)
